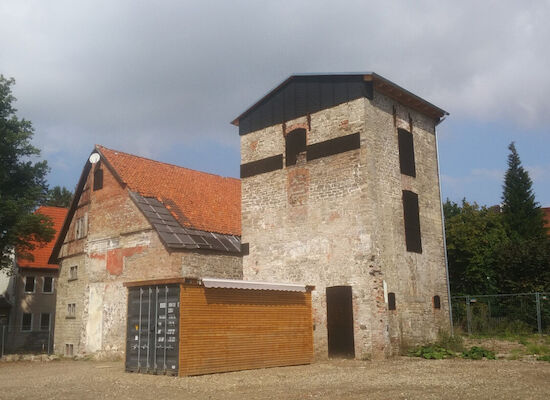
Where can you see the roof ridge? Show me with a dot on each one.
(165, 163)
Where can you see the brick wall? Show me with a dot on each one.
(338, 220)
(120, 246)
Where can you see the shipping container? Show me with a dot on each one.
(189, 326)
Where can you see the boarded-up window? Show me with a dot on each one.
(98, 178)
(262, 166)
(295, 142)
(391, 301)
(406, 152)
(412, 221)
(437, 302)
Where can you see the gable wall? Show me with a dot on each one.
(120, 246)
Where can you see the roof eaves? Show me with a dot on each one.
(54, 257)
(365, 74)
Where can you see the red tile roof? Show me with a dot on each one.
(546, 214)
(42, 254)
(196, 199)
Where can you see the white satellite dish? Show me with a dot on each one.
(94, 157)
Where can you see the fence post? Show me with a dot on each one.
(539, 319)
(468, 315)
(3, 337)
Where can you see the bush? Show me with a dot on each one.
(477, 353)
(432, 352)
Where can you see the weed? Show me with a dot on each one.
(543, 358)
(432, 352)
(534, 348)
(454, 343)
(477, 353)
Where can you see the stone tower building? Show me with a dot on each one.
(340, 189)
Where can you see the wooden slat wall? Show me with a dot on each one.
(234, 329)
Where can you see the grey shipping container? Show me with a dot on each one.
(152, 337)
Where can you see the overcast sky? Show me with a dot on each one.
(163, 79)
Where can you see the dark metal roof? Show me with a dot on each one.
(301, 94)
(176, 237)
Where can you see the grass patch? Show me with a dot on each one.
(536, 348)
(543, 358)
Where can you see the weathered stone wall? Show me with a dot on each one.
(338, 220)
(120, 246)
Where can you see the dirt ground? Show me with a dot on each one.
(401, 378)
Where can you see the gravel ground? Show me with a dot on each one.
(402, 378)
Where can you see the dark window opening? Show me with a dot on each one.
(437, 302)
(45, 322)
(69, 349)
(29, 284)
(245, 249)
(412, 222)
(98, 178)
(26, 322)
(406, 152)
(295, 142)
(48, 285)
(391, 301)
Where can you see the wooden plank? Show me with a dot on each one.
(233, 329)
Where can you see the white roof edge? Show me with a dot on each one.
(236, 284)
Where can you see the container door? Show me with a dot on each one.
(340, 322)
(153, 329)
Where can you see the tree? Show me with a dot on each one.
(522, 214)
(474, 236)
(59, 197)
(525, 262)
(22, 183)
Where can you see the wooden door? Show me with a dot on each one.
(340, 322)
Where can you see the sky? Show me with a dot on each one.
(163, 79)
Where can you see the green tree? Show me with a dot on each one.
(474, 236)
(22, 183)
(59, 197)
(525, 261)
(522, 214)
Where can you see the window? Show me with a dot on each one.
(295, 143)
(29, 284)
(71, 310)
(437, 302)
(48, 285)
(391, 301)
(26, 322)
(406, 152)
(81, 226)
(412, 222)
(45, 320)
(69, 349)
(98, 178)
(245, 249)
(73, 273)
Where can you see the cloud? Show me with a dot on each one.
(151, 76)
